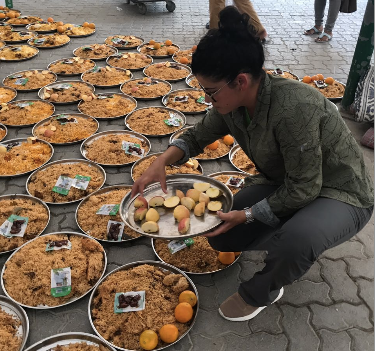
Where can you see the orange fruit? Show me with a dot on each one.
(85, 24)
(2, 15)
(226, 257)
(228, 140)
(60, 29)
(306, 79)
(314, 78)
(189, 297)
(148, 340)
(171, 50)
(1, 7)
(320, 76)
(24, 21)
(183, 312)
(152, 42)
(329, 80)
(50, 20)
(59, 24)
(237, 253)
(214, 145)
(168, 333)
(168, 42)
(157, 46)
(92, 25)
(194, 48)
(184, 60)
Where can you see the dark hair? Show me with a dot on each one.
(232, 49)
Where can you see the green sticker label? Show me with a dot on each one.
(63, 185)
(81, 182)
(178, 245)
(61, 282)
(110, 210)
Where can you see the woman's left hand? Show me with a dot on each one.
(231, 219)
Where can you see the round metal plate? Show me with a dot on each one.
(64, 74)
(188, 80)
(229, 174)
(28, 27)
(18, 313)
(180, 114)
(41, 92)
(166, 98)
(130, 69)
(97, 136)
(70, 115)
(29, 70)
(14, 90)
(66, 339)
(98, 192)
(2, 44)
(30, 42)
(187, 68)
(153, 80)
(232, 152)
(162, 266)
(21, 140)
(17, 41)
(30, 124)
(115, 117)
(155, 56)
(334, 99)
(188, 272)
(43, 307)
(294, 75)
(28, 197)
(114, 51)
(121, 47)
(66, 161)
(81, 35)
(6, 131)
(105, 86)
(174, 57)
(167, 224)
(22, 59)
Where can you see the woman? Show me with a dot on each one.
(313, 191)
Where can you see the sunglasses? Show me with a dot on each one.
(211, 95)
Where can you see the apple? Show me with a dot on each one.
(152, 215)
(213, 193)
(156, 201)
(214, 205)
(203, 197)
(140, 201)
(181, 212)
(140, 214)
(184, 225)
(180, 194)
(194, 194)
(188, 202)
(199, 209)
(150, 227)
(172, 202)
(201, 186)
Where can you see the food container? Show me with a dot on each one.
(10, 42)
(81, 35)
(114, 51)
(155, 56)
(151, 98)
(21, 59)
(161, 265)
(105, 86)
(28, 70)
(188, 80)
(44, 47)
(6, 131)
(232, 152)
(65, 74)
(127, 47)
(186, 68)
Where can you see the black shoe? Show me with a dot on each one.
(208, 25)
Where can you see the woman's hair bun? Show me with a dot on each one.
(231, 21)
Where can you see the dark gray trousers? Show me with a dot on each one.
(294, 245)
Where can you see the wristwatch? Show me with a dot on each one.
(249, 215)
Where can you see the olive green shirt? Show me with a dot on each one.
(297, 140)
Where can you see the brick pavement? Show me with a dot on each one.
(331, 307)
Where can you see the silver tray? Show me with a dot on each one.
(334, 99)
(188, 80)
(294, 75)
(232, 152)
(19, 25)
(20, 140)
(163, 266)
(231, 174)
(167, 224)
(66, 339)
(94, 137)
(2, 126)
(126, 47)
(155, 56)
(130, 69)
(65, 74)
(28, 70)
(8, 306)
(81, 35)
(2, 43)
(175, 60)
(187, 68)
(165, 98)
(188, 272)
(4, 24)
(41, 92)
(66, 161)
(152, 79)
(40, 31)
(115, 117)
(43, 47)
(17, 41)
(14, 90)
(164, 108)
(107, 189)
(68, 114)
(105, 86)
(31, 124)
(35, 199)
(115, 51)
(44, 307)
(22, 59)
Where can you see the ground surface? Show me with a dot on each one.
(331, 307)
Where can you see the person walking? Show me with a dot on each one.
(313, 191)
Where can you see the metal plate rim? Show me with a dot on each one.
(80, 35)
(152, 98)
(129, 47)
(130, 265)
(232, 152)
(67, 303)
(14, 90)
(101, 134)
(106, 86)
(28, 70)
(70, 74)
(188, 79)
(37, 125)
(71, 160)
(187, 68)
(2, 126)
(130, 69)
(96, 59)
(139, 47)
(47, 47)
(40, 31)
(17, 41)
(334, 99)
(23, 59)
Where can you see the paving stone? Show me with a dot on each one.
(267, 321)
(227, 282)
(255, 256)
(340, 316)
(249, 268)
(335, 341)
(202, 342)
(362, 341)
(342, 286)
(119, 255)
(207, 298)
(305, 291)
(203, 279)
(313, 274)
(258, 342)
(347, 249)
(296, 323)
(366, 291)
(366, 236)
(361, 268)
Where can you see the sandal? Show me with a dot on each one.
(312, 31)
(321, 39)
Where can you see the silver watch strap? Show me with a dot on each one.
(249, 216)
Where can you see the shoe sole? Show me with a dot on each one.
(255, 313)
